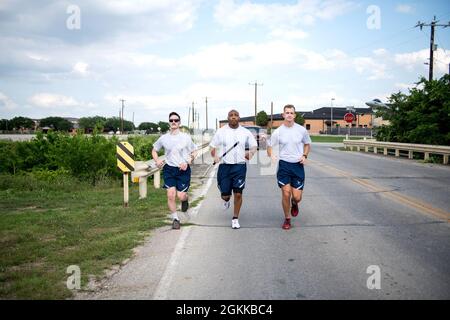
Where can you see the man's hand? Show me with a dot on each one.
(250, 153)
(273, 158)
(303, 160)
(183, 166)
(159, 163)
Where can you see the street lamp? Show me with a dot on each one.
(331, 124)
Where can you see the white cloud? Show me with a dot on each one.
(230, 14)
(288, 34)
(369, 65)
(7, 103)
(414, 60)
(380, 52)
(57, 101)
(227, 61)
(81, 68)
(404, 8)
(309, 102)
(101, 21)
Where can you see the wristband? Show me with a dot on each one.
(306, 156)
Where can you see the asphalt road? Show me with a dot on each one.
(358, 210)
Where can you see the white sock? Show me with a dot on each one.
(174, 216)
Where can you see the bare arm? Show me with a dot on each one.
(214, 155)
(306, 150)
(249, 154)
(155, 157)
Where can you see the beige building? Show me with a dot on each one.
(318, 121)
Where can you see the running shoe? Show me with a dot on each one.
(286, 224)
(176, 224)
(184, 205)
(235, 224)
(294, 209)
(226, 205)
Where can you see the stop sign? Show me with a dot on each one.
(349, 117)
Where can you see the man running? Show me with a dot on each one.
(231, 140)
(180, 151)
(294, 146)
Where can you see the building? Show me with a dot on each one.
(318, 121)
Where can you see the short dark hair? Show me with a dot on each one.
(174, 114)
(288, 106)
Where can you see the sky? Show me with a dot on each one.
(78, 58)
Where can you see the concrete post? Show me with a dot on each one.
(157, 179)
(142, 187)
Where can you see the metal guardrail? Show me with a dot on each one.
(145, 169)
(426, 149)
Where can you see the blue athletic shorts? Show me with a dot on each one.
(231, 177)
(291, 173)
(174, 177)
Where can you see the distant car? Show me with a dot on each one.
(260, 135)
(111, 132)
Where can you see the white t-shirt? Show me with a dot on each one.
(177, 147)
(226, 137)
(290, 141)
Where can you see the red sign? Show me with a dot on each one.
(349, 117)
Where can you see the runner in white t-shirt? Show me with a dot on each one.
(230, 143)
(179, 151)
(294, 145)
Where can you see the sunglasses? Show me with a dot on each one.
(174, 120)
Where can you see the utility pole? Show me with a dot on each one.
(197, 118)
(331, 125)
(133, 118)
(206, 100)
(433, 47)
(193, 116)
(256, 84)
(121, 129)
(271, 115)
(189, 117)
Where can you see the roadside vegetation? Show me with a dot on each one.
(332, 139)
(422, 116)
(61, 204)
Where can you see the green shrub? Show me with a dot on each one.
(143, 146)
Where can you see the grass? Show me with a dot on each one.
(196, 201)
(332, 139)
(47, 226)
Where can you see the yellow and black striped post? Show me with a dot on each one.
(125, 162)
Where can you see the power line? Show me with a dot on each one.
(433, 24)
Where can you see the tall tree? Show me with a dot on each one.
(164, 126)
(90, 123)
(56, 123)
(150, 127)
(422, 116)
(21, 122)
(262, 119)
(299, 119)
(115, 123)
